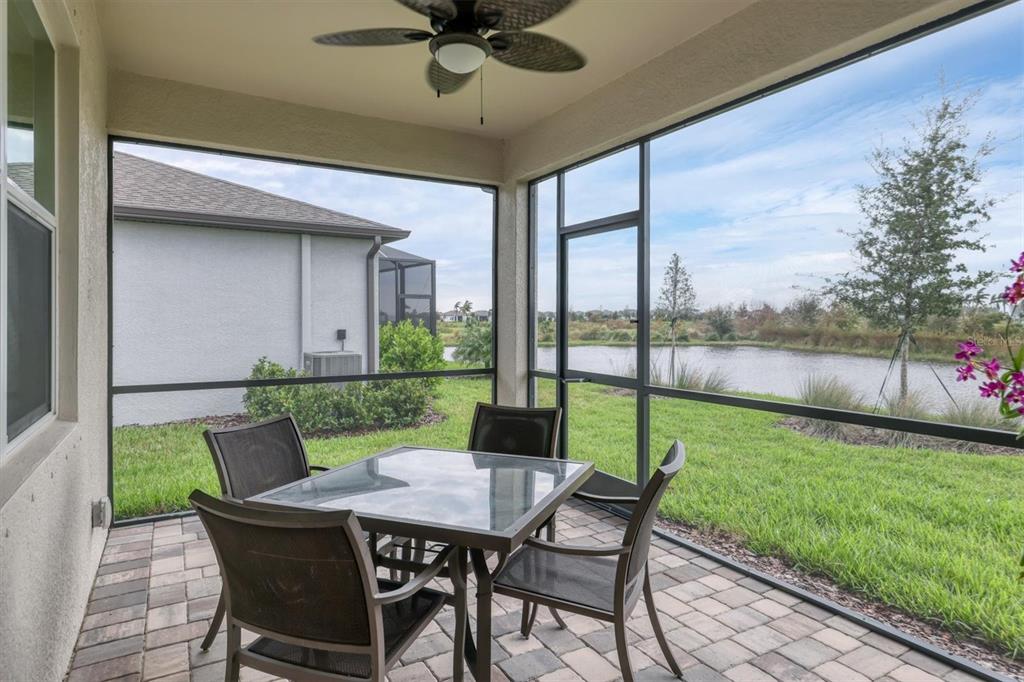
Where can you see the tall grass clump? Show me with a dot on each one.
(690, 378)
(912, 406)
(978, 414)
(828, 391)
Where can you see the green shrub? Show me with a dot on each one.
(354, 406)
(270, 401)
(397, 404)
(474, 347)
(408, 347)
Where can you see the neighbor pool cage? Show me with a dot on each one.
(408, 288)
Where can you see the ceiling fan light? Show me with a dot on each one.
(460, 52)
(460, 57)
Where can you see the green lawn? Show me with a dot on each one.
(936, 533)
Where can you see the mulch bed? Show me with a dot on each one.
(855, 434)
(927, 630)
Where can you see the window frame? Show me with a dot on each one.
(11, 193)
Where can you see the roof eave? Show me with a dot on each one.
(153, 215)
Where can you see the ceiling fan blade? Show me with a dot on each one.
(374, 36)
(435, 9)
(535, 52)
(515, 15)
(445, 81)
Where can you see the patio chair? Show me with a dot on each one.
(252, 459)
(531, 431)
(305, 583)
(604, 581)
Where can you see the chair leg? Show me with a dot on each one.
(218, 616)
(551, 538)
(622, 646)
(231, 662)
(652, 612)
(529, 616)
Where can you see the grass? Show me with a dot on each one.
(937, 533)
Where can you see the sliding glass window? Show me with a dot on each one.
(28, 226)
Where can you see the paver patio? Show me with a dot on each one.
(158, 584)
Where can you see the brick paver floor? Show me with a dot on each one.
(158, 584)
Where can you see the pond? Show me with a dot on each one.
(780, 372)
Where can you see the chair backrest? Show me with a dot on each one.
(301, 574)
(515, 430)
(641, 523)
(255, 458)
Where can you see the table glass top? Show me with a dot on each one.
(482, 492)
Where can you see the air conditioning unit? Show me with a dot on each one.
(332, 363)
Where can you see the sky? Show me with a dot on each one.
(756, 200)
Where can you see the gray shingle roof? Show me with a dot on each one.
(157, 192)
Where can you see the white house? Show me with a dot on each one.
(452, 316)
(184, 245)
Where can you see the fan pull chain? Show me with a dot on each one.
(481, 95)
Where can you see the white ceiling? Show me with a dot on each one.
(263, 47)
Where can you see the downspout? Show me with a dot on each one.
(372, 306)
(305, 297)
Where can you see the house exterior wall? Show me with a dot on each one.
(196, 304)
(339, 294)
(49, 549)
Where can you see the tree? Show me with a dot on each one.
(720, 320)
(474, 347)
(923, 210)
(806, 309)
(676, 302)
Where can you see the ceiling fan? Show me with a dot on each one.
(467, 32)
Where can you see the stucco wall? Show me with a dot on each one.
(48, 548)
(203, 304)
(199, 304)
(170, 110)
(339, 294)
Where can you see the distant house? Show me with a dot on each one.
(453, 316)
(482, 315)
(209, 276)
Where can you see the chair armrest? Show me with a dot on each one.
(314, 467)
(578, 550)
(417, 583)
(606, 499)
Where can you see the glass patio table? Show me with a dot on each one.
(479, 502)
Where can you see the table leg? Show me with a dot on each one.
(460, 653)
(482, 664)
